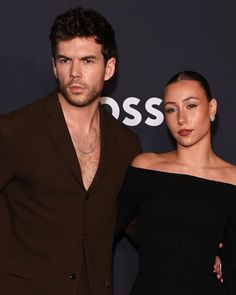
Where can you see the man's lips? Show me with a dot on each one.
(184, 132)
(76, 88)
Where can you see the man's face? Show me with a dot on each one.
(81, 71)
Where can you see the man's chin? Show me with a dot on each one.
(80, 102)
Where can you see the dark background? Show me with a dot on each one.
(156, 39)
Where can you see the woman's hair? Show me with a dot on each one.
(192, 76)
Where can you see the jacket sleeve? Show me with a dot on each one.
(127, 207)
(5, 170)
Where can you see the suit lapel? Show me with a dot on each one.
(59, 133)
(106, 146)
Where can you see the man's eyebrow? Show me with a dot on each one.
(62, 56)
(88, 57)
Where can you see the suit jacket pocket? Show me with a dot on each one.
(17, 268)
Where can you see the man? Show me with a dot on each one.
(62, 162)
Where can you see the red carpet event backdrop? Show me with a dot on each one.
(156, 39)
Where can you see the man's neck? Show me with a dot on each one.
(81, 118)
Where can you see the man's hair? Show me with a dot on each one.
(80, 22)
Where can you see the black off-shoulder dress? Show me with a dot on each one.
(181, 220)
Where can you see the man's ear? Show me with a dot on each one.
(110, 68)
(54, 67)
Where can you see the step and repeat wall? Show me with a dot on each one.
(156, 39)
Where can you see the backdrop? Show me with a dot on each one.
(156, 39)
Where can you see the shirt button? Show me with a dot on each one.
(73, 276)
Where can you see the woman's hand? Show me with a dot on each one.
(217, 266)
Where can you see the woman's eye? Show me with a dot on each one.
(191, 106)
(169, 110)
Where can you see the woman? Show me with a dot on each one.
(185, 201)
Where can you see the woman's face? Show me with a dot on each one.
(188, 112)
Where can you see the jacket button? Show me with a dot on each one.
(87, 196)
(73, 276)
(85, 236)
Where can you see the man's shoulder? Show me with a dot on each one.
(127, 139)
(31, 108)
(115, 124)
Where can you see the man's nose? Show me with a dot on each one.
(75, 70)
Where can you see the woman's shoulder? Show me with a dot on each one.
(150, 160)
(228, 172)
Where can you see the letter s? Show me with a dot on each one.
(159, 117)
(137, 117)
(113, 104)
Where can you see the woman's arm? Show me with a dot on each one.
(229, 255)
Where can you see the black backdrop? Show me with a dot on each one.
(155, 39)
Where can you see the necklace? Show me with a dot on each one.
(86, 144)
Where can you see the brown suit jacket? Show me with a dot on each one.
(48, 222)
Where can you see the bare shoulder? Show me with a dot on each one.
(150, 160)
(227, 172)
(143, 160)
(230, 173)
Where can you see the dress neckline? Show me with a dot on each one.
(190, 176)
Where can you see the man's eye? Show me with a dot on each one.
(63, 60)
(88, 60)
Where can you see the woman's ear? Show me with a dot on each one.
(213, 109)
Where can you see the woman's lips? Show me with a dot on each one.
(184, 132)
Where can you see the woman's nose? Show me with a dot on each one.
(181, 117)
